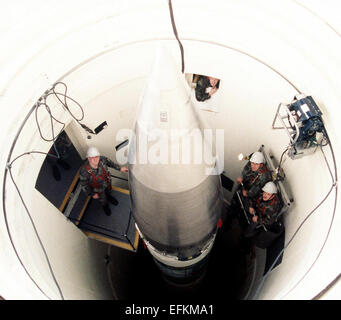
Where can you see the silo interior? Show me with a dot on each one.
(264, 53)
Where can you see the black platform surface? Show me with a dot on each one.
(117, 225)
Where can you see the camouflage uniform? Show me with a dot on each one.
(267, 210)
(200, 90)
(254, 181)
(97, 180)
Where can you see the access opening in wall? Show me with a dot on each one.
(205, 86)
(58, 181)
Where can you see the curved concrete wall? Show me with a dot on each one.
(264, 52)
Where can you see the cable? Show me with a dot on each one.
(334, 185)
(66, 107)
(65, 103)
(30, 217)
(51, 120)
(280, 161)
(43, 102)
(4, 201)
(291, 239)
(10, 163)
(318, 17)
(330, 285)
(334, 210)
(176, 35)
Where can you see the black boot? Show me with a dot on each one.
(63, 164)
(56, 173)
(107, 210)
(113, 200)
(110, 197)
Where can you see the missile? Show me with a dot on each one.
(175, 189)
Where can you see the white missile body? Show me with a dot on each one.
(176, 194)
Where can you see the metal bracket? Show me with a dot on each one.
(73, 198)
(290, 131)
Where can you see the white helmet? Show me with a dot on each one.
(270, 187)
(92, 152)
(257, 157)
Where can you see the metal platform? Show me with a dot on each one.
(118, 229)
(64, 192)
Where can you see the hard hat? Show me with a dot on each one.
(270, 187)
(257, 157)
(92, 152)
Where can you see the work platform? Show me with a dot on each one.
(118, 229)
(64, 192)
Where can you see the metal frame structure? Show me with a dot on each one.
(288, 115)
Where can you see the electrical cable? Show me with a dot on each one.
(335, 182)
(288, 243)
(9, 167)
(30, 217)
(330, 285)
(51, 120)
(4, 203)
(280, 161)
(182, 56)
(181, 49)
(176, 35)
(334, 185)
(53, 92)
(65, 103)
(66, 107)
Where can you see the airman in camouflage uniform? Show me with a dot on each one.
(201, 89)
(253, 181)
(95, 178)
(254, 176)
(264, 209)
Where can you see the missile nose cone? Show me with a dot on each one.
(165, 103)
(175, 203)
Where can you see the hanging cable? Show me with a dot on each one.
(65, 105)
(278, 170)
(334, 185)
(280, 161)
(30, 217)
(176, 35)
(330, 285)
(7, 170)
(51, 121)
(41, 103)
